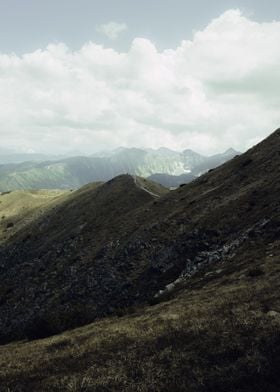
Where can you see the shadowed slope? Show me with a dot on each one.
(57, 266)
(220, 332)
(119, 246)
(216, 329)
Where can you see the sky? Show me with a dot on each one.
(81, 75)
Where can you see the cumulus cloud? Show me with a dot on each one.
(112, 30)
(216, 91)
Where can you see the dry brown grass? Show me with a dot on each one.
(19, 208)
(219, 333)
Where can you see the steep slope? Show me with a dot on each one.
(153, 188)
(219, 332)
(214, 161)
(77, 171)
(120, 245)
(66, 268)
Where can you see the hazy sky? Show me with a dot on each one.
(87, 75)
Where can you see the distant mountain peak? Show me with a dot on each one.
(189, 151)
(77, 171)
(231, 151)
(165, 149)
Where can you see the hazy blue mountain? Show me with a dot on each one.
(76, 171)
(12, 156)
(214, 161)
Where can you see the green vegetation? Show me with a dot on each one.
(19, 208)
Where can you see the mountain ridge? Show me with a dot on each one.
(149, 252)
(74, 172)
(178, 291)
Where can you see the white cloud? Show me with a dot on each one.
(217, 91)
(112, 30)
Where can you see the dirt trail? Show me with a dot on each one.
(143, 188)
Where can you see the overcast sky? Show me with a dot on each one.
(88, 75)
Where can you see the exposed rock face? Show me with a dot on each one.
(118, 245)
(225, 253)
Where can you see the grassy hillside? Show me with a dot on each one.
(180, 290)
(19, 208)
(116, 246)
(218, 332)
(65, 270)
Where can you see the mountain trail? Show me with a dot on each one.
(143, 188)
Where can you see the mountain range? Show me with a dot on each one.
(75, 172)
(171, 290)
